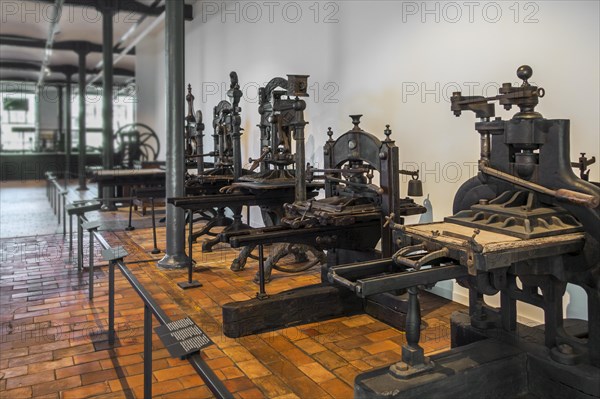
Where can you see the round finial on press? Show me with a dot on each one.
(524, 73)
(387, 132)
(356, 121)
(189, 96)
(330, 133)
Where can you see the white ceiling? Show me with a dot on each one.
(32, 19)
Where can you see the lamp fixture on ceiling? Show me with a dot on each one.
(50, 41)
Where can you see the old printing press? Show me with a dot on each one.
(227, 167)
(524, 227)
(281, 168)
(348, 223)
(281, 115)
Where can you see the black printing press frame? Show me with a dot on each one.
(227, 166)
(348, 233)
(509, 235)
(282, 113)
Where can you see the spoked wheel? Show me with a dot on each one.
(291, 258)
(205, 215)
(136, 142)
(270, 217)
(295, 258)
(254, 255)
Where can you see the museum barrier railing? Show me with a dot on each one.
(115, 257)
(57, 195)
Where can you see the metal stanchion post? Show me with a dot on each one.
(155, 250)
(79, 244)
(190, 283)
(58, 194)
(147, 352)
(91, 267)
(91, 227)
(112, 255)
(129, 226)
(53, 197)
(64, 207)
(78, 210)
(70, 239)
(111, 302)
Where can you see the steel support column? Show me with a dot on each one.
(82, 53)
(175, 256)
(61, 121)
(37, 147)
(68, 137)
(107, 106)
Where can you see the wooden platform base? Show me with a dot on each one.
(388, 308)
(308, 305)
(290, 308)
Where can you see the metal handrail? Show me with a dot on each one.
(57, 195)
(151, 307)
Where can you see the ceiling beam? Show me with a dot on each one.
(123, 72)
(55, 21)
(72, 69)
(69, 45)
(125, 6)
(55, 82)
(20, 65)
(64, 69)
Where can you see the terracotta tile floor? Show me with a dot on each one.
(52, 342)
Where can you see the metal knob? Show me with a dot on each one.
(524, 72)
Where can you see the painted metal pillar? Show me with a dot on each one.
(107, 105)
(82, 53)
(69, 132)
(61, 121)
(175, 256)
(37, 146)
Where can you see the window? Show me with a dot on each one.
(123, 114)
(18, 118)
(17, 121)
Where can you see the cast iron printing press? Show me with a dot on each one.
(524, 227)
(281, 178)
(203, 189)
(227, 155)
(348, 223)
(281, 112)
(226, 138)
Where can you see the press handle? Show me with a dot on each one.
(590, 201)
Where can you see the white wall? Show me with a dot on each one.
(151, 85)
(397, 64)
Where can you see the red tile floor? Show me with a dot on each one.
(52, 341)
